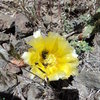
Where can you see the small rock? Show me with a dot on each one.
(97, 95)
(7, 80)
(89, 79)
(27, 39)
(5, 54)
(20, 21)
(5, 21)
(12, 68)
(6, 46)
(34, 93)
(83, 90)
(4, 37)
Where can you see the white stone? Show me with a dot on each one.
(37, 33)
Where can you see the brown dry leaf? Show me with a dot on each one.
(80, 36)
(20, 63)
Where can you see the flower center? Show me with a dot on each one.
(50, 60)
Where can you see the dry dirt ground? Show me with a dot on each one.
(17, 24)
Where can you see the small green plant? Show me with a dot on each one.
(2, 98)
(93, 25)
(81, 46)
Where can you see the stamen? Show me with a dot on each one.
(36, 63)
(50, 60)
(41, 70)
(45, 65)
(44, 53)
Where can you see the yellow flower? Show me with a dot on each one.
(51, 57)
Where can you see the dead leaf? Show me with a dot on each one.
(19, 63)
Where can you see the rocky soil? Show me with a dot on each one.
(17, 24)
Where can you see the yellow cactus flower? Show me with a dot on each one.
(51, 57)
